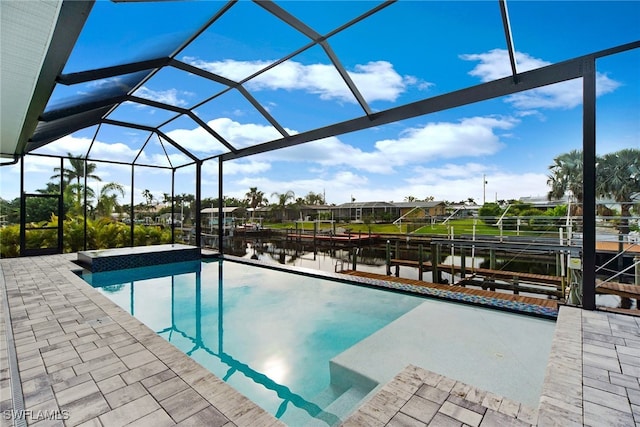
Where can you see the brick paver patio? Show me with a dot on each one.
(84, 361)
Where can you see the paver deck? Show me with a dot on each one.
(84, 361)
(592, 379)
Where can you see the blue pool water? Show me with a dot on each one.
(269, 334)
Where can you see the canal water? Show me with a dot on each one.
(372, 258)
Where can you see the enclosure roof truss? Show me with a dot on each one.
(55, 122)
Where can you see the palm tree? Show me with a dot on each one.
(148, 196)
(618, 177)
(80, 168)
(108, 199)
(566, 176)
(314, 199)
(185, 202)
(255, 198)
(282, 201)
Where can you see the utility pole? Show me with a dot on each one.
(484, 189)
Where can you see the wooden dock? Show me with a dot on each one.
(342, 238)
(620, 289)
(614, 247)
(547, 303)
(485, 272)
(487, 278)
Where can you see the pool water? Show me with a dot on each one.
(269, 334)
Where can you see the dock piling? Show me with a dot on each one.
(315, 231)
(435, 260)
(388, 260)
(355, 258)
(420, 262)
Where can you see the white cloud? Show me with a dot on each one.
(448, 171)
(564, 95)
(244, 135)
(470, 137)
(377, 80)
(495, 64)
(456, 182)
(250, 168)
(37, 164)
(237, 134)
(169, 96)
(229, 68)
(117, 151)
(332, 152)
(161, 159)
(196, 140)
(346, 179)
(475, 136)
(240, 167)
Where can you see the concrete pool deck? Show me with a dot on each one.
(82, 360)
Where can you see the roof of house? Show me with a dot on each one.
(369, 205)
(419, 204)
(226, 209)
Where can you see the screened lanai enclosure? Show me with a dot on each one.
(163, 96)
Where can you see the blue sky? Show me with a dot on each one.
(409, 51)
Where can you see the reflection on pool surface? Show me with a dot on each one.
(309, 350)
(269, 334)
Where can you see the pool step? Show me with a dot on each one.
(342, 406)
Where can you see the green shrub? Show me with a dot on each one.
(10, 241)
(101, 234)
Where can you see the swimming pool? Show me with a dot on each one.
(309, 349)
(267, 333)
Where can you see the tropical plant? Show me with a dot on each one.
(314, 199)
(10, 238)
(148, 197)
(283, 199)
(618, 177)
(108, 199)
(109, 234)
(490, 213)
(40, 208)
(80, 168)
(565, 176)
(73, 229)
(10, 210)
(100, 234)
(184, 202)
(255, 198)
